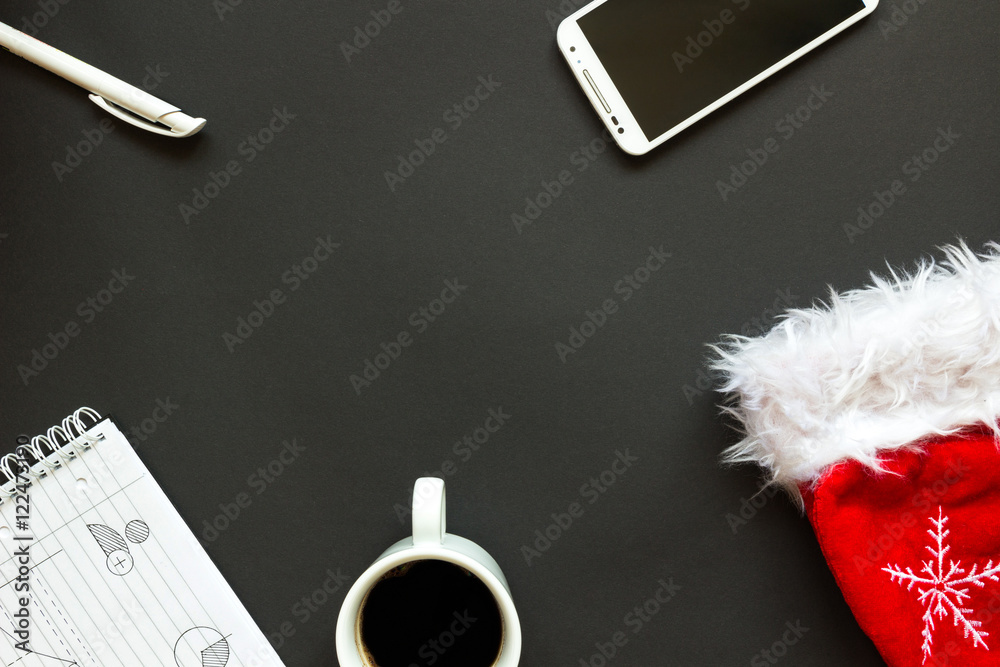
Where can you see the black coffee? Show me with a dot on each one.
(430, 612)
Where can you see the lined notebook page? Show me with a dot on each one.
(116, 576)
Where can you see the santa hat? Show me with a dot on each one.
(879, 412)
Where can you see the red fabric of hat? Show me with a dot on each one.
(879, 412)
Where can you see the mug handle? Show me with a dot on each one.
(428, 511)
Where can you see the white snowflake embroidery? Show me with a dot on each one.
(942, 593)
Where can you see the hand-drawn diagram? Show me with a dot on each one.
(119, 557)
(45, 658)
(54, 637)
(136, 531)
(201, 647)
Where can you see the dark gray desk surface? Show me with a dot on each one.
(637, 385)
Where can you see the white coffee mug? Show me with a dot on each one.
(429, 542)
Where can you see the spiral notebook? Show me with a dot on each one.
(99, 567)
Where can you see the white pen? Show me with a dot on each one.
(118, 98)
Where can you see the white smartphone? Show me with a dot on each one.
(653, 67)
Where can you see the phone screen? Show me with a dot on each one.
(671, 58)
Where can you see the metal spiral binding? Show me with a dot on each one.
(60, 444)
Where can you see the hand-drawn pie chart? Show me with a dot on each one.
(201, 647)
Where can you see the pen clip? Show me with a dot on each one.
(132, 119)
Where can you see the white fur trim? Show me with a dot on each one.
(874, 370)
